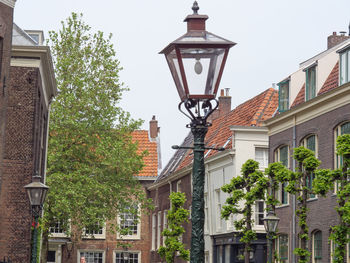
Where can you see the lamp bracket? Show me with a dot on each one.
(198, 111)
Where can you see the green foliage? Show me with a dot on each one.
(245, 189)
(326, 181)
(177, 215)
(91, 158)
(307, 163)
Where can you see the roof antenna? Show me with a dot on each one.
(349, 28)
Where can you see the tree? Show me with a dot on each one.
(248, 188)
(91, 158)
(298, 185)
(176, 217)
(324, 182)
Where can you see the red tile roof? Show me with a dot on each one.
(251, 113)
(151, 160)
(300, 98)
(332, 81)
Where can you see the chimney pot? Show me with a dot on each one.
(153, 128)
(222, 93)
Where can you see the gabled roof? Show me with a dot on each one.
(151, 160)
(21, 38)
(250, 113)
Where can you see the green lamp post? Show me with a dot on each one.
(270, 224)
(196, 61)
(37, 193)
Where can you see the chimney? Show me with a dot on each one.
(153, 128)
(335, 39)
(224, 102)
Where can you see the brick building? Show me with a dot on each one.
(314, 104)
(103, 246)
(239, 132)
(27, 85)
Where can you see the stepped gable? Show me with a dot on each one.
(151, 159)
(332, 80)
(251, 113)
(300, 98)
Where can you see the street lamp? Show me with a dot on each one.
(196, 61)
(37, 193)
(270, 224)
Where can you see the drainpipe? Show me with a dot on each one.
(294, 200)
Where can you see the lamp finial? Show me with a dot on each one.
(195, 8)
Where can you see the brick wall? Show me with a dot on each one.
(321, 210)
(162, 203)
(18, 163)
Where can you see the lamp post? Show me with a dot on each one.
(37, 193)
(196, 61)
(270, 224)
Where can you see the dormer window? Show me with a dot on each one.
(310, 86)
(283, 96)
(344, 67)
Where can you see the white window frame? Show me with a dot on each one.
(94, 251)
(134, 236)
(95, 236)
(218, 209)
(165, 223)
(257, 214)
(129, 251)
(265, 155)
(178, 186)
(277, 159)
(154, 219)
(63, 234)
(159, 226)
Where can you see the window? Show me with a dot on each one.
(283, 96)
(283, 247)
(165, 223)
(51, 256)
(282, 155)
(178, 186)
(129, 222)
(94, 231)
(218, 211)
(344, 67)
(310, 87)
(206, 213)
(338, 160)
(91, 256)
(259, 213)
(57, 229)
(127, 257)
(154, 218)
(310, 142)
(261, 156)
(159, 228)
(317, 247)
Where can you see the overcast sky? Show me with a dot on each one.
(272, 36)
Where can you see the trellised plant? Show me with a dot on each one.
(324, 182)
(177, 215)
(298, 185)
(245, 190)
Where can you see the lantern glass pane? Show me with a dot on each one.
(175, 72)
(210, 59)
(35, 195)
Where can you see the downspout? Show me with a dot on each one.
(294, 198)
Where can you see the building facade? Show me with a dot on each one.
(239, 132)
(313, 111)
(103, 246)
(27, 88)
